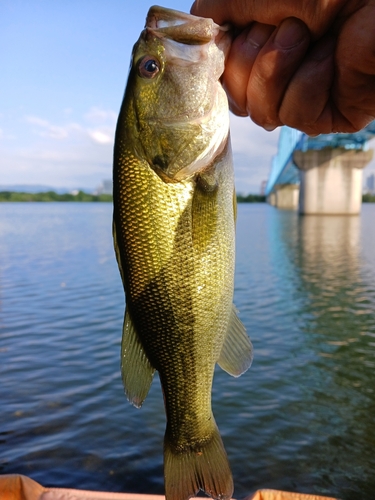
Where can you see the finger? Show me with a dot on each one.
(243, 53)
(317, 15)
(222, 11)
(274, 67)
(354, 86)
(306, 103)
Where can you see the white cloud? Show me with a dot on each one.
(47, 129)
(101, 136)
(101, 115)
(105, 125)
(104, 122)
(77, 151)
(69, 151)
(103, 133)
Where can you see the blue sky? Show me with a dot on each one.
(64, 65)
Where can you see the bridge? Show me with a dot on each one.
(320, 174)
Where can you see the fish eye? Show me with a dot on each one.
(148, 67)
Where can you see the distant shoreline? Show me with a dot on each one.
(82, 197)
(48, 196)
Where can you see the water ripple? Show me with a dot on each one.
(301, 419)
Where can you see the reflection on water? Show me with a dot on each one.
(301, 419)
(341, 303)
(330, 244)
(306, 291)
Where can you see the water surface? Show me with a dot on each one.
(301, 419)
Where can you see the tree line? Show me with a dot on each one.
(81, 196)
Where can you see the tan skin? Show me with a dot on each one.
(309, 64)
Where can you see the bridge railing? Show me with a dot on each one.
(288, 140)
(284, 171)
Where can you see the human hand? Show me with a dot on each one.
(309, 65)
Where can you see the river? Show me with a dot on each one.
(301, 419)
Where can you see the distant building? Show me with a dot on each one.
(370, 184)
(105, 187)
(263, 188)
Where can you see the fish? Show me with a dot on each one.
(174, 237)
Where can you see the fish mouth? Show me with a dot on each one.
(186, 40)
(186, 28)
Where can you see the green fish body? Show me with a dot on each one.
(174, 233)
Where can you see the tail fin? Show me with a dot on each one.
(204, 466)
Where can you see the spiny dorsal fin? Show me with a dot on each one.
(237, 352)
(136, 370)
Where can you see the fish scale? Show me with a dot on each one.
(174, 242)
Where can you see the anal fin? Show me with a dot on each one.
(237, 352)
(136, 370)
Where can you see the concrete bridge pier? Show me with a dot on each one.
(271, 199)
(331, 180)
(286, 196)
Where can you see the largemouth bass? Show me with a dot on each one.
(174, 225)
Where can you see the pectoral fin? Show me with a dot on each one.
(136, 370)
(237, 352)
(117, 249)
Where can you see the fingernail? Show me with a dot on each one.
(324, 48)
(259, 34)
(193, 7)
(269, 128)
(290, 33)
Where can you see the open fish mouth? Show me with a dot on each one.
(186, 28)
(188, 40)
